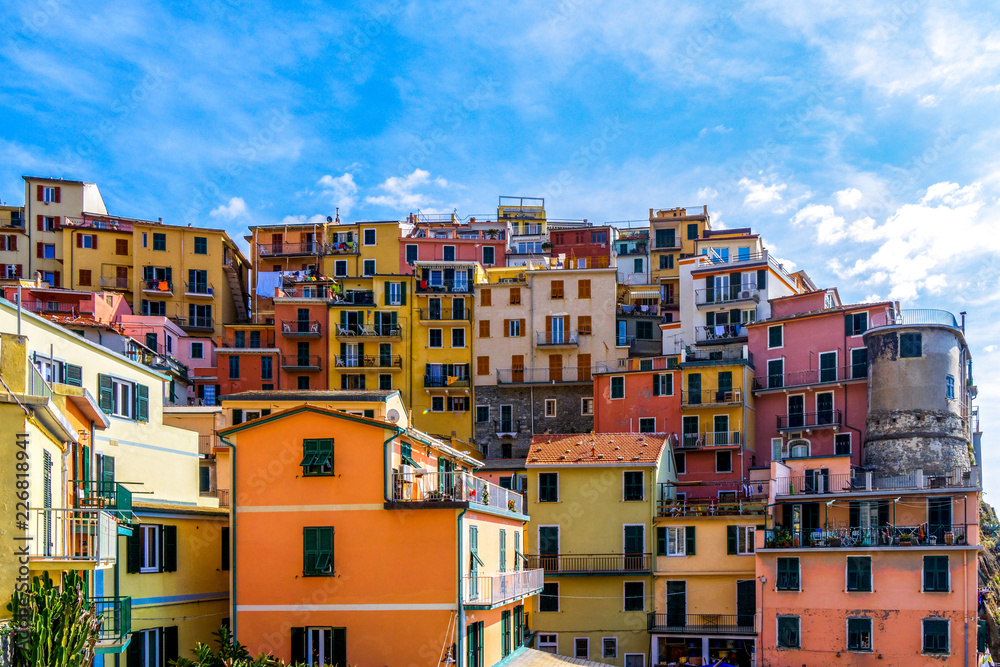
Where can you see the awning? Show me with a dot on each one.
(645, 294)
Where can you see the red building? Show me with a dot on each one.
(642, 397)
(247, 360)
(452, 241)
(586, 247)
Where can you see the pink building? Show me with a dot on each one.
(105, 307)
(453, 242)
(811, 378)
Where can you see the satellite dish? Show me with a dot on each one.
(329, 218)
(392, 416)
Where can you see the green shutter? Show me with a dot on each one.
(710, 319)
(142, 403)
(517, 551)
(74, 375)
(669, 382)
(656, 385)
(661, 540)
(169, 544)
(402, 293)
(503, 550)
(385, 289)
(133, 656)
(731, 538)
(709, 289)
(848, 325)
(310, 547)
(105, 388)
(170, 645)
(298, 645)
(237, 416)
(134, 550)
(689, 547)
(761, 278)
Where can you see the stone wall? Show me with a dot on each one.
(899, 442)
(529, 406)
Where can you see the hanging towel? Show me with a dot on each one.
(164, 286)
(267, 282)
(720, 330)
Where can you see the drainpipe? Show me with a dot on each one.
(460, 639)
(232, 533)
(965, 604)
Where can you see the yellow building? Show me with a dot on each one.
(194, 275)
(591, 499)
(168, 553)
(673, 233)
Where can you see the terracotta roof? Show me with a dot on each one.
(596, 449)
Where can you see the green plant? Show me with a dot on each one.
(230, 654)
(60, 626)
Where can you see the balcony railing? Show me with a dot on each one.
(37, 385)
(810, 377)
(682, 508)
(444, 381)
(444, 287)
(321, 292)
(369, 361)
(527, 230)
(866, 481)
(116, 620)
(720, 356)
(105, 495)
(89, 223)
(591, 563)
(372, 331)
(711, 396)
(157, 286)
(301, 328)
(77, 535)
(196, 322)
(546, 375)
(198, 289)
(116, 282)
(453, 314)
(432, 486)
(889, 535)
(913, 317)
(639, 311)
(731, 294)
(821, 419)
(206, 445)
(264, 341)
(355, 297)
(555, 338)
(302, 362)
(644, 347)
(710, 439)
(223, 495)
(277, 249)
(501, 588)
(720, 333)
(667, 244)
(703, 624)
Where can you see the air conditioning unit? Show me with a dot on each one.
(745, 294)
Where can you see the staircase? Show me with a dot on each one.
(239, 293)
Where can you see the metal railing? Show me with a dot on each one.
(456, 314)
(430, 486)
(710, 439)
(341, 248)
(546, 375)
(527, 230)
(264, 341)
(732, 294)
(89, 223)
(810, 419)
(445, 381)
(711, 396)
(369, 361)
(355, 297)
(116, 618)
(198, 288)
(718, 356)
(37, 386)
(720, 333)
(157, 285)
(444, 287)
(59, 534)
(275, 249)
(116, 282)
(637, 311)
(667, 245)
(703, 624)
(591, 563)
(501, 588)
(105, 495)
(305, 292)
(360, 329)
(888, 535)
(301, 328)
(557, 337)
(913, 317)
(645, 347)
(752, 257)
(301, 361)
(196, 322)
(866, 480)
(810, 377)
(741, 507)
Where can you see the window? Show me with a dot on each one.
(484, 328)
(482, 414)
(411, 253)
(514, 328)
(47, 224)
(635, 596)
(663, 384)
(458, 404)
(48, 251)
(788, 574)
(548, 600)
(775, 337)
(842, 444)
(515, 296)
(935, 631)
(489, 255)
(632, 485)
(458, 337)
(197, 350)
(448, 253)
(384, 382)
(548, 487)
(486, 297)
(644, 330)
(556, 289)
(159, 241)
(647, 425)
(936, 573)
(88, 241)
(317, 551)
(859, 634)
(482, 365)
(317, 457)
(201, 245)
(435, 338)
(617, 386)
(581, 647)
(150, 541)
(369, 238)
(739, 539)
(609, 646)
(505, 625)
(586, 407)
(48, 194)
(678, 541)
(692, 231)
(584, 324)
(548, 643)
(368, 267)
(85, 278)
(788, 632)
(152, 548)
(680, 463)
(234, 367)
(437, 403)
(340, 268)
(859, 573)
(859, 363)
(583, 289)
(910, 345)
(122, 398)
(828, 367)
(949, 388)
(266, 368)
(724, 461)
(855, 324)
(550, 407)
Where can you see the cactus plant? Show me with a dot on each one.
(59, 626)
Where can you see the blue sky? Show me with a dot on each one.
(860, 138)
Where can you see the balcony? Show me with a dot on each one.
(381, 332)
(83, 538)
(527, 229)
(198, 290)
(564, 375)
(223, 495)
(626, 310)
(863, 481)
(195, 322)
(749, 258)
(309, 291)
(702, 624)
(810, 420)
(444, 287)
(721, 356)
(734, 294)
(720, 334)
(289, 249)
(116, 283)
(914, 317)
(711, 397)
(557, 338)
(354, 297)
(341, 248)
(444, 315)
(107, 496)
(301, 362)
(104, 225)
(392, 362)
(301, 329)
(691, 508)
(499, 589)
(206, 445)
(642, 347)
(710, 439)
(156, 286)
(556, 564)
(442, 381)
(116, 622)
(810, 377)
(426, 486)
(263, 341)
(889, 535)
(667, 244)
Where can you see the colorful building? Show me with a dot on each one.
(632, 252)
(591, 500)
(642, 396)
(590, 247)
(448, 240)
(673, 233)
(334, 519)
(14, 251)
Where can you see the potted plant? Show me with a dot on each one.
(949, 538)
(769, 542)
(834, 541)
(906, 539)
(492, 233)
(796, 541)
(511, 506)
(546, 245)
(783, 539)
(960, 538)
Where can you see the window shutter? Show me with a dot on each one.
(761, 278)
(661, 540)
(709, 289)
(56, 224)
(689, 541)
(74, 375)
(237, 416)
(39, 249)
(12, 242)
(40, 192)
(58, 195)
(656, 385)
(298, 645)
(142, 403)
(133, 657)
(79, 240)
(734, 316)
(710, 319)
(225, 548)
(170, 647)
(854, 514)
(731, 535)
(339, 652)
(265, 412)
(104, 392)
(848, 325)
(134, 552)
(169, 543)
(55, 279)
(402, 293)
(387, 294)
(94, 242)
(668, 384)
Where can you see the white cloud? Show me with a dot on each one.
(759, 194)
(236, 208)
(718, 129)
(829, 226)
(990, 349)
(296, 219)
(341, 190)
(848, 198)
(401, 191)
(707, 194)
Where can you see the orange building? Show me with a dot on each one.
(327, 505)
(643, 396)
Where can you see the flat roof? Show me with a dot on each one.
(373, 395)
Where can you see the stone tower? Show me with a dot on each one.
(919, 393)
